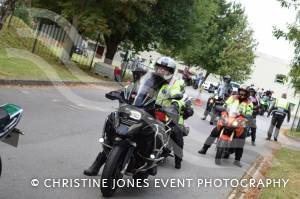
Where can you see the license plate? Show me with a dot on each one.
(12, 139)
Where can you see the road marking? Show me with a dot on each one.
(25, 92)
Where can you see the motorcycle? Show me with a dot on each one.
(214, 113)
(141, 133)
(231, 124)
(264, 105)
(10, 116)
(196, 81)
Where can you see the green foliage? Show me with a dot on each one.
(22, 13)
(293, 36)
(289, 3)
(220, 40)
(139, 25)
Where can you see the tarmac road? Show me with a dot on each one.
(62, 127)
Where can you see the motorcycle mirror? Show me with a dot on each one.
(113, 95)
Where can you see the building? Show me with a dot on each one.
(269, 73)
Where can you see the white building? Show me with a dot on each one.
(266, 68)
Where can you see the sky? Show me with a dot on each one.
(262, 16)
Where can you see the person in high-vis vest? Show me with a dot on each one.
(165, 67)
(279, 110)
(246, 108)
(252, 121)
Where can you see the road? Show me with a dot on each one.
(62, 126)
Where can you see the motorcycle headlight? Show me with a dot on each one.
(101, 140)
(235, 123)
(135, 115)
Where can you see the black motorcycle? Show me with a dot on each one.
(141, 133)
(211, 107)
(10, 116)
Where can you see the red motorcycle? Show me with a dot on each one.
(231, 124)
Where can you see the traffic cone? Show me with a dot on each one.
(198, 101)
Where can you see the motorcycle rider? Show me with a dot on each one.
(279, 110)
(164, 66)
(255, 102)
(223, 92)
(246, 108)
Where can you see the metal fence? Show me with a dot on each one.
(296, 119)
(48, 39)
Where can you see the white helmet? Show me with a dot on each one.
(167, 63)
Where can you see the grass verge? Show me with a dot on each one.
(295, 134)
(285, 165)
(20, 36)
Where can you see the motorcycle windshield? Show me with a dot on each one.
(145, 90)
(233, 110)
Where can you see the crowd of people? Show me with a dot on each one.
(251, 102)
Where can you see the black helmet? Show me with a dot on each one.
(227, 79)
(251, 89)
(269, 92)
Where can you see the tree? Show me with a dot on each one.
(292, 35)
(220, 40)
(6, 8)
(83, 15)
(140, 25)
(144, 24)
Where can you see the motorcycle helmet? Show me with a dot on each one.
(245, 94)
(227, 79)
(252, 89)
(168, 64)
(268, 93)
(139, 71)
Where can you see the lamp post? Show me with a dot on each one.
(95, 51)
(298, 125)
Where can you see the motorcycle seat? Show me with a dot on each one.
(4, 118)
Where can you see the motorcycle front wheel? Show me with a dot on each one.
(221, 147)
(0, 166)
(112, 171)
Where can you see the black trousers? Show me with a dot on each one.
(253, 134)
(177, 142)
(277, 120)
(237, 145)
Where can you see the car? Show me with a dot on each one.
(235, 85)
(213, 86)
(209, 85)
(206, 85)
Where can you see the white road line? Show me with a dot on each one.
(25, 92)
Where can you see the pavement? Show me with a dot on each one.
(62, 126)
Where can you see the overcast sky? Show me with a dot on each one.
(262, 16)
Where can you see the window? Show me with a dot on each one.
(281, 79)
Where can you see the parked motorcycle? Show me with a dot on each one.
(231, 124)
(10, 116)
(141, 133)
